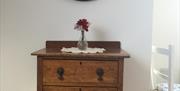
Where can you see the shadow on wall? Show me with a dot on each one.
(84, 0)
(81, 1)
(99, 33)
(131, 70)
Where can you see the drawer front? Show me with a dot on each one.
(54, 88)
(99, 89)
(71, 71)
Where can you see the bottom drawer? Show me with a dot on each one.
(99, 89)
(56, 88)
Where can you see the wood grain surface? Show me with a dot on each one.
(100, 44)
(113, 50)
(80, 71)
(56, 88)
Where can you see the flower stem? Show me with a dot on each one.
(82, 33)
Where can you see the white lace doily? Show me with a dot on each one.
(88, 50)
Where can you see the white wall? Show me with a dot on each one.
(1, 27)
(165, 29)
(29, 23)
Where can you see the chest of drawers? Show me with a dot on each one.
(59, 71)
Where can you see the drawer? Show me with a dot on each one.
(74, 71)
(55, 88)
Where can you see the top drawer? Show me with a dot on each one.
(74, 71)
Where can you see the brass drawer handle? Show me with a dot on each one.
(100, 73)
(60, 72)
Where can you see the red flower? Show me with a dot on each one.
(82, 24)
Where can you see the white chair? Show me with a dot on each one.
(169, 52)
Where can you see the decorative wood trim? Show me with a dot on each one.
(39, 74)
(98, 56)
(100, 44)
(121, 72)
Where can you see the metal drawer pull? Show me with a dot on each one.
(100, 73)
(60, 72)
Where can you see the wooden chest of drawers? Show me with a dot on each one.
(59, 71)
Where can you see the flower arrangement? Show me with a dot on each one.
(82, 25)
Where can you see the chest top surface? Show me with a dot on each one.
(53, 49)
